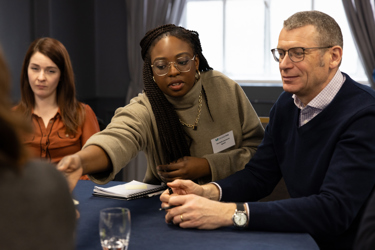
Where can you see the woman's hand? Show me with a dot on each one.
(71, 166)
(92, 159)
(187, 167)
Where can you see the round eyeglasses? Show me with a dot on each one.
(182, 64)
(296, 54)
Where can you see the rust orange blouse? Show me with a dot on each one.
(52, 142)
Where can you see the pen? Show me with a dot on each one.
(166, 208)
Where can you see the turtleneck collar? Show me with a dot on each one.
(189, 100)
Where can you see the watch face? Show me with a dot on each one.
(240, 219)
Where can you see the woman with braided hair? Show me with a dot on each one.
(191, 121)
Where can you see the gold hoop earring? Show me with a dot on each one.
(153, 79)
(197, 75)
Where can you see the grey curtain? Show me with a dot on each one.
(362, 24)
(144, 15)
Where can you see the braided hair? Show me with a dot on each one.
(173, 138)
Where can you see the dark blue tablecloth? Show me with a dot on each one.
(149, 230)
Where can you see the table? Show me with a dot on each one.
(149, 230)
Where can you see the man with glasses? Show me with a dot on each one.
(319, 139)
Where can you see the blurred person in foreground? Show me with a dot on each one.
(319, 138)
(36, 210)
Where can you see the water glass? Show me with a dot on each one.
(114, 228)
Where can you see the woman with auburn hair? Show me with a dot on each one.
(35, 214)
(62, 125)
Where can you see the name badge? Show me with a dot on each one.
(223, 142)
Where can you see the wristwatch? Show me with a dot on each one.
(239, 216)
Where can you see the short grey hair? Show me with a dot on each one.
(329, 32)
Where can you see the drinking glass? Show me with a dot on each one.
(114, 228)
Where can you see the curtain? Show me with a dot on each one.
(361, 20)
(142, 16)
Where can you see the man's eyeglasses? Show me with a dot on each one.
(295, 54)
(182, 64)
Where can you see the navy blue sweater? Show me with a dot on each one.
(328, 165)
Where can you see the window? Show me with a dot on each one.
(237, 35)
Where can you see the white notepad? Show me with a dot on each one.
(130, 190)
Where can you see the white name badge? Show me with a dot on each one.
(223, 142)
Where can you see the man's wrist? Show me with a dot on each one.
(211, 191)
(229, 209)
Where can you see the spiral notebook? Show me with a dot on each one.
(130, 190)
